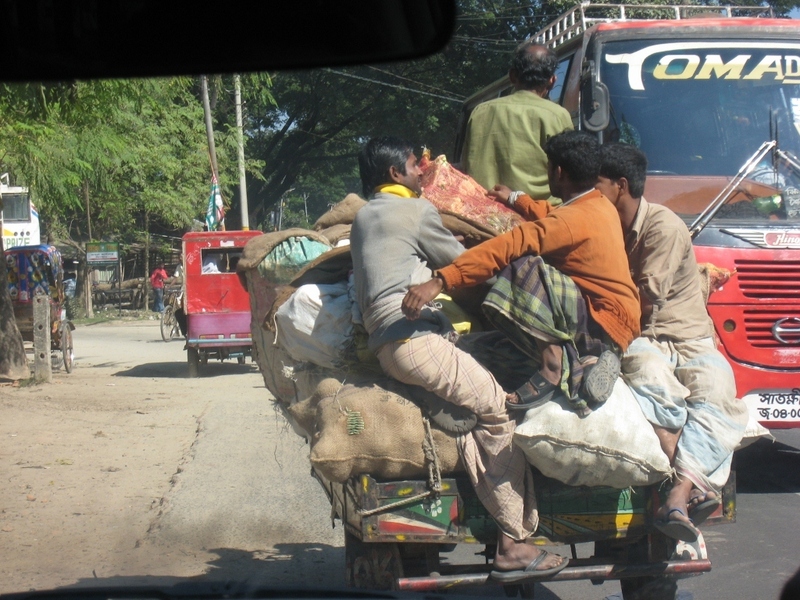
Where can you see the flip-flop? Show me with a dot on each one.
(701, 511)
(529, 572)
(676, 529)
(600, 377)
(534, 392)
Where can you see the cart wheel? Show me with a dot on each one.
(240, 359)
(374, 566)
(66, 347)
(193, 360)
(419, 560)
(661, 587)
(168, 323)
(523, 590)
(657, 587)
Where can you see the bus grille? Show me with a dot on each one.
(768, 279)
(758, 327)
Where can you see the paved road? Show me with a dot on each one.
(240, 504)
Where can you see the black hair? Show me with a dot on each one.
(619, 160)
(377, 157)
(577, 153)
(533, 64)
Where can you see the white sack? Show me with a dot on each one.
(314, 324)
(613, 446)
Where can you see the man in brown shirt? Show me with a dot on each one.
(581, 241)
(683, 383)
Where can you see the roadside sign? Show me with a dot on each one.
(102, 252)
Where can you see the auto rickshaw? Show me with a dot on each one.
(39, 271)
(216, 303)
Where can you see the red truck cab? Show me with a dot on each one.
(699, 94)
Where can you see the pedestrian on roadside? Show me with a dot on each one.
(157, 280)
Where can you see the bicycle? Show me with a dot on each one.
(170, 329)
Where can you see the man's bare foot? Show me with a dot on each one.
(677, 499)
(513, 555)
(672, 519)
(702, 505)
(698, 497)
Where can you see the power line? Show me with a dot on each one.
(412, 80)
(484, 40)
(399, 87)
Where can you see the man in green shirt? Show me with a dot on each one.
(505, 136)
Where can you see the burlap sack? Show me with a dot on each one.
(387, 434)
(257, 248)
(342, 213)
(473, 233)
(337, 233)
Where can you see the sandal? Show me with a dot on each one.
(677, 529)
(600, 377)
(534, 392)
(700, 510)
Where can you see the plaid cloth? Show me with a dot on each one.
(533, 303)
(497, 468)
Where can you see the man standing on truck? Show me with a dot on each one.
(683, 383)
(396, 240)
(505, 137)
(564, 294)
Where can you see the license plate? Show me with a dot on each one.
(774, 406)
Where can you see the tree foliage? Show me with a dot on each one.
(131, 149)
(124, 147)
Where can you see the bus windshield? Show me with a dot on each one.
(703, 107)
(16, 207)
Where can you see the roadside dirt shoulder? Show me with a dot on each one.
(87, 459)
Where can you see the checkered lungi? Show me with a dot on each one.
(534, 302)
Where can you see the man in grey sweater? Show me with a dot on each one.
(397, 240)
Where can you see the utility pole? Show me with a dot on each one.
(280, 208)
(240, 142)
(212, 152)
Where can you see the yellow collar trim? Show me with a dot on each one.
(397, 189)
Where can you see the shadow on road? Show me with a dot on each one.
(180, 370)
(240, 573)
(767, 467)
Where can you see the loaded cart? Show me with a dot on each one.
(386, 454)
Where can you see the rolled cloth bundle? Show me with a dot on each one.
(454, 192)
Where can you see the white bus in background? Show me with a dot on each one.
(18, 216)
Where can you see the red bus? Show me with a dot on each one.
(714, 102)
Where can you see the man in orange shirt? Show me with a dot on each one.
(564, 293)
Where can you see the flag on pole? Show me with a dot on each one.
(215, 214)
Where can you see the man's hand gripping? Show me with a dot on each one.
(419, 295)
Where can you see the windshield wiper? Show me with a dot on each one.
(705, 217)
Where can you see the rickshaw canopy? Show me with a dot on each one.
(33, 271)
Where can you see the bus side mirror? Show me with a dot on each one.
(594, 101)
